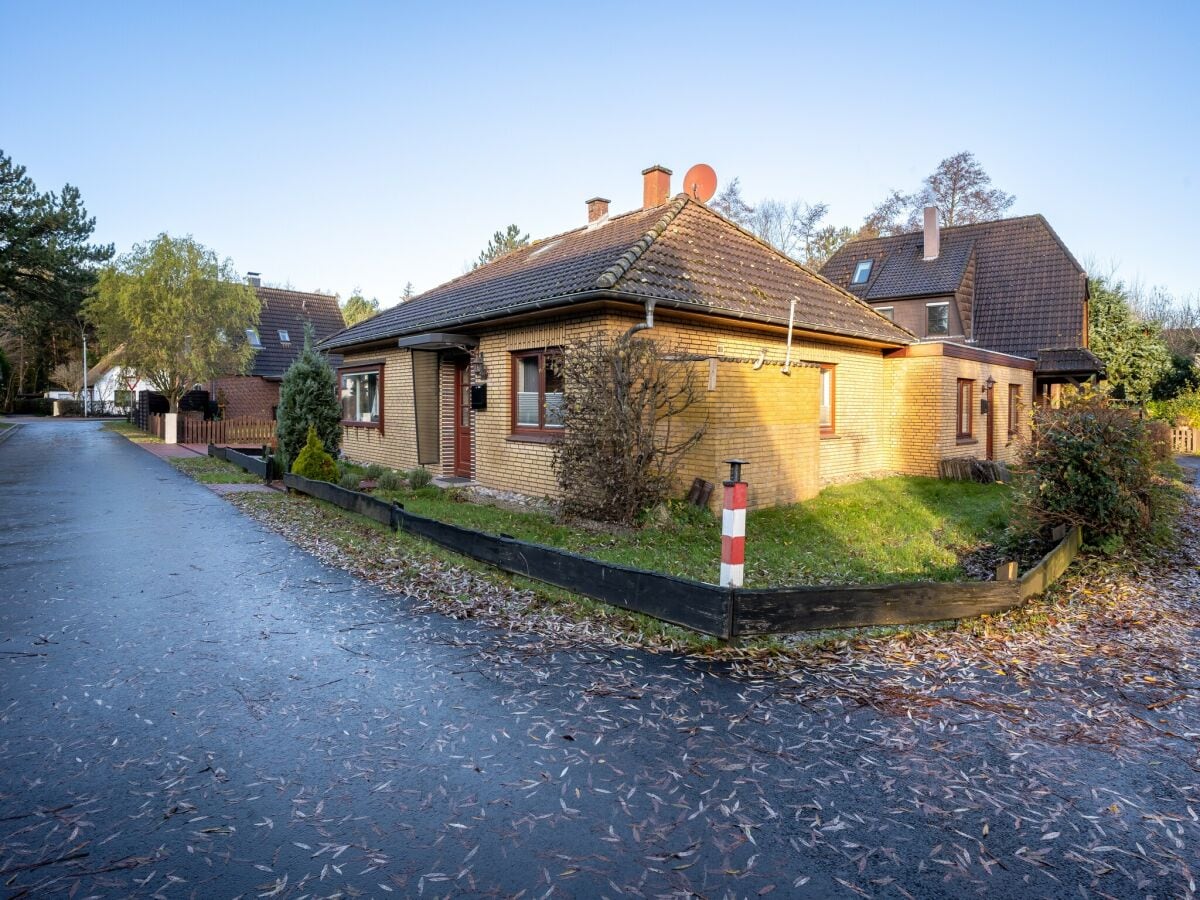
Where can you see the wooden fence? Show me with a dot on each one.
(241, 431)
(707, 608)
(1185, 440)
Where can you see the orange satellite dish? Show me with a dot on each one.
(700, 182)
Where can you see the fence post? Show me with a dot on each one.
(733, 527)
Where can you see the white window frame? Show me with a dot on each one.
(888, 312)
(864, 266)
(253, 338)
(928, 306)
(827, 400)
(350, 388)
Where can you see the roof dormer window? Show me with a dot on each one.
(862, 271)
(252, 337)
(283, 336)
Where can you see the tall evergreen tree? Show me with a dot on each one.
(1133, 351)
(47, 267)
(358, 308)
(308, 397)
(502, 243)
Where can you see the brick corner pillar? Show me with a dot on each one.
(733, 527)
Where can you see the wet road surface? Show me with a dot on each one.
(191, 706)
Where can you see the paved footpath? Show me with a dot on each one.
(190, 706)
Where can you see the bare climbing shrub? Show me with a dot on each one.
(626, 432)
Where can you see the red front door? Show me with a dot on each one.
(462, 421)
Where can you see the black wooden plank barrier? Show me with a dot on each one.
(354, 501)
(707, 608)
(255, 465)
(767, 610)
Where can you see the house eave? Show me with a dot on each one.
(557, 304)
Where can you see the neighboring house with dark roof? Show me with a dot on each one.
(1010, 285)
(802, 378)
(277, 342)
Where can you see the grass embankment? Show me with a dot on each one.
(131, 431)
(210, 470)
(892, 529)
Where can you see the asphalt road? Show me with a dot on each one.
(191, 706)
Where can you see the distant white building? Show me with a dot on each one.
(113, 384)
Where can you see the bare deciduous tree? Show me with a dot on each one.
(69, 375)
(791, 226)
(625, 435)
(959, 188)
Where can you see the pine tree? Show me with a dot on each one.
(308, 398)
(502, 244)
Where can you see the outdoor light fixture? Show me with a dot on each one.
(479, 370)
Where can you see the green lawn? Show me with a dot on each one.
(892, 529)
(210, 470)
(4, 426)
(131, 431)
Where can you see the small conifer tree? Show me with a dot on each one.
(308, 399)
(313, 462)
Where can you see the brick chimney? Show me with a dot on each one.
(656, 187)
(933, 237)
(597, 209)
(253, 279)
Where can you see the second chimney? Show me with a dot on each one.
(656, 186)
(597, 209)
(932, 233)
(253, 279)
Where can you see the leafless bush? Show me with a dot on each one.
(626, 435)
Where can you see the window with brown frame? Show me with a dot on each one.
(537, 393)
(965, 415)
(828, 401)
(360, 389)
(1014, 410)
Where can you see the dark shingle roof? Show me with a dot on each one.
(288, 311)
(905, 273)
(680, 254)
(1029, 289)
(1068, 361)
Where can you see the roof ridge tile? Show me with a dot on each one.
(625, 261)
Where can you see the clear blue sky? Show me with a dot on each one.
(354, 144)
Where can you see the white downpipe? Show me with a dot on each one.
(787, 361)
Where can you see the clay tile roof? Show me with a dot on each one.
(1029, 289)
(680, 254)
(287, 311)
(1072, 361)
(905, 272)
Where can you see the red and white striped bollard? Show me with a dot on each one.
(733, 527)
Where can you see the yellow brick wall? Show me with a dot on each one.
(1003, 449)
(923, 421)
(891, 414)
(395, 445)
(913, 414)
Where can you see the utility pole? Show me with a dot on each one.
(85, 374)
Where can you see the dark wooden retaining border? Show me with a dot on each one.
(255, 465)
(707, 608)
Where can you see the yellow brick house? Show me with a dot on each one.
(801, 378)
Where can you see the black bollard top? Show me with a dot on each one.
(735, 468)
